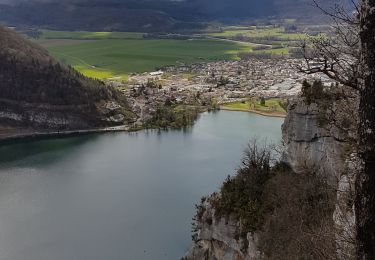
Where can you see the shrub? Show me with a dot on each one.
(241, 194)
(312, 92)
(262, 101)
(299, 223)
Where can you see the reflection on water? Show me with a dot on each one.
(21, 149)
(117, 196)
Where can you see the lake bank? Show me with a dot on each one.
(268, 114)
(9, 134)
(12, 134)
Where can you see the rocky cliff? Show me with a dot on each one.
(60, 117)
(310, 145)
(319, 139)
(323, 139)
(217, 238)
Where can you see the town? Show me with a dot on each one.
(212, 84)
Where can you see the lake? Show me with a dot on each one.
(118, 195)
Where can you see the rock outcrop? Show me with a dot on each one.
(309, 145)
(328, 150)
(59, 117)
(217, 238)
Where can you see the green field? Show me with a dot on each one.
(276, 39)
(277, 33)
(81, 35)
(278, 51)
(104, 55)
(272, 105)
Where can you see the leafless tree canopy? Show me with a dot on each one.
(336, 55)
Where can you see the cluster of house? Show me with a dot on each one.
(214, 83)
(266, 77)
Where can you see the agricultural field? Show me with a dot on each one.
(252, 32)
(81, 35)
(271, 40)
(105, 55)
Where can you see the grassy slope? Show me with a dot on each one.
(118, 54)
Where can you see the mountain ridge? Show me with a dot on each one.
(147, 16)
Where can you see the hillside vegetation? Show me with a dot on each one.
(28, 75)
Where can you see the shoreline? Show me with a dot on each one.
(271, 114)
(31, 135)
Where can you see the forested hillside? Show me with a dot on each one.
(28, 75)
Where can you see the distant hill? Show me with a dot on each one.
(147, 15)
(38, 91)
(93, 16)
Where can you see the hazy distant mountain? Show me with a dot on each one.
(145, 15)
(37, 90)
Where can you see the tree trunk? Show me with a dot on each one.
(365, 184)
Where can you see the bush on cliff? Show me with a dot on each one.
(242, 194)
(291, 213)
(312, 92)
(298, 223)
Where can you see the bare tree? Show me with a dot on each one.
(349, 58)
(337, 57)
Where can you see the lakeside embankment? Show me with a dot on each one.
(18, 134)
(269, 114)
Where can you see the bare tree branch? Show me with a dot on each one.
(335, 55)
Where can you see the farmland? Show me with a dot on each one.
(278, 33)
(82, 35)
(268, 39)
(118, 54)
(104, 55)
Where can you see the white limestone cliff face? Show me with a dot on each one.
(327, 151)
(60, 117)
(309, 146)
(218, 239)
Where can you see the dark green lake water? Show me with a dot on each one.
(117, 196)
